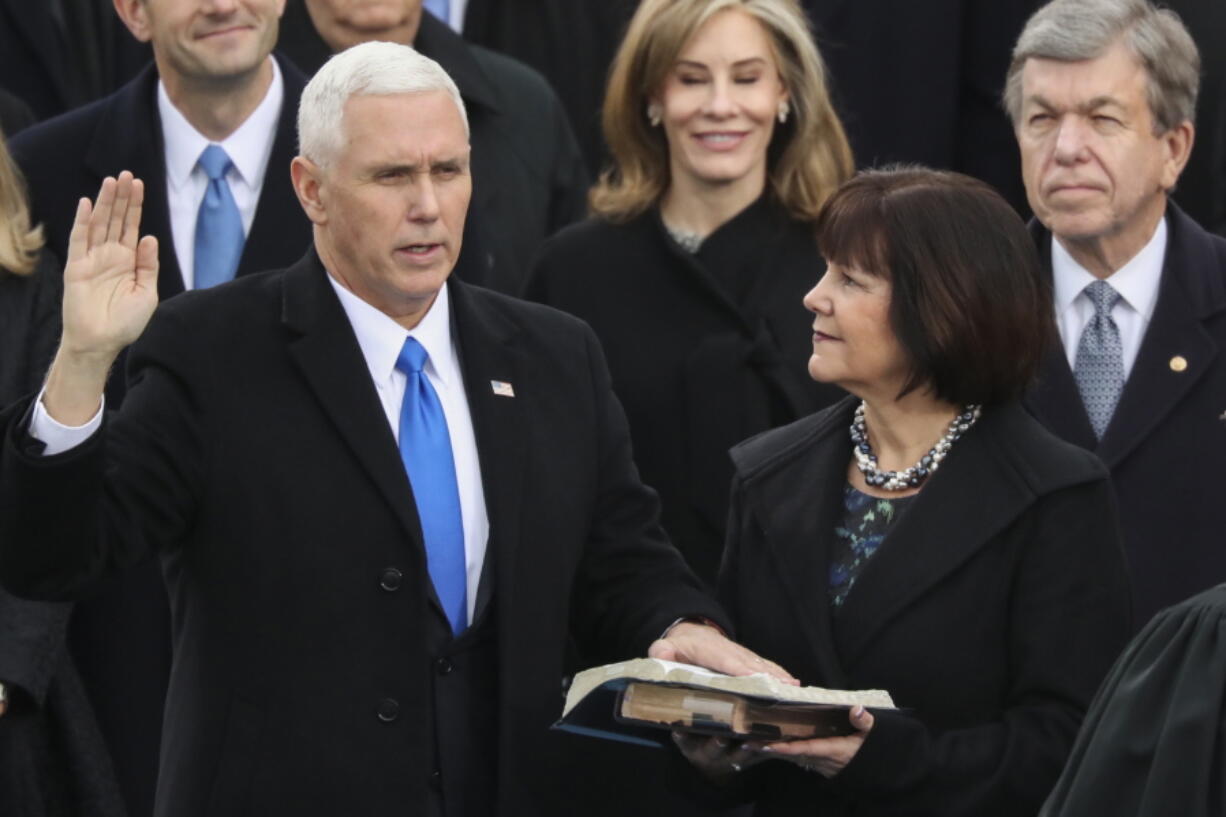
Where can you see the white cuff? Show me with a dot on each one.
(56, 436)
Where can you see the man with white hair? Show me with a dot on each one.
(384, 500)
(1102, 94)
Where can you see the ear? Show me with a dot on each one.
(1178, 141)
(135, 16)
(307, 178)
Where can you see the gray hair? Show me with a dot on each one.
(1076, 30)
(373, 68)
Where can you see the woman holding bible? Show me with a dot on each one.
(925, 535)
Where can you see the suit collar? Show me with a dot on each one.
(1192, 289)
(437, 41)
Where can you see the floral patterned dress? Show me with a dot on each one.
(866, 521)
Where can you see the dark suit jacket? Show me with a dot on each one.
(571, 42)
(705, 350)
(57, 68)
(253, 454)
(1168, 434)
(120, 638)
(921, 82)
(529, 180)
(991, 612)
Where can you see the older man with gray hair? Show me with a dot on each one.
(384, 500)
(1102, 94)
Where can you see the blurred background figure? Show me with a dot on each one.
(1103, 95)
(529, 179)
(57, 55)
(925, 536)
(205, 98)
(53, 761)
(691, 271)
(1154, 742)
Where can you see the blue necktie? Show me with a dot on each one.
(219, 225)
(1099, 365)
(440, 9)
(425, 448)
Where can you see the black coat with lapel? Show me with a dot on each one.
(253, 454)
(1166, 442)
(991, 612)
(699, 362)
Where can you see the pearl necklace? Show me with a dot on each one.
(914, 476)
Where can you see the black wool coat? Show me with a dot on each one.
(1166, 442)
(705, 350)
(990, 612)
(53, 762)
(253, 455)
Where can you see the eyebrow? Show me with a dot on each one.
(738, 64)
(1085, 107)
(411, 167)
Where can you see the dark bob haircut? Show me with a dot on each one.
(970, 304)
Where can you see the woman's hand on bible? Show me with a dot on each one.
(826, 756)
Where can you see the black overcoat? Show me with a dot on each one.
(705, 350)
(253, 454)
(120, 638)
(1167, 440)
(991, 612)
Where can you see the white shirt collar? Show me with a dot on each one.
(381, 338)
(249, 147)
(1137, 281)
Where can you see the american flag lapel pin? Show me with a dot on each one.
(502, 389)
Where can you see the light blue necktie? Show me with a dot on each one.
(219, 225)
(1099, 365)
(425, 448)
(440, 9)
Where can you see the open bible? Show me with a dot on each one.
(637, 701)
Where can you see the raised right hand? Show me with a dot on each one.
(110, 292)
(110, 280)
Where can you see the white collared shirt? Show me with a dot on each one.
(455, 12)
(1136, 282)
(249, 149)
(381, 339)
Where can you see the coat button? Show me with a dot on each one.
(388, 710)
(390, 579)
(443, 666)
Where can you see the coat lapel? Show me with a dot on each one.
(1158, 382)
(799, 533)
(326, 352)
(489, 356)
(938, 532)
(278, 215)
(129, 137)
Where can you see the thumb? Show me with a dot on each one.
(662, 648)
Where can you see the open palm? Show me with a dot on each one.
(110, 280)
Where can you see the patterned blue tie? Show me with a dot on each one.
(1099, 366)
(425, 448)
(440, 9)
(219, 225)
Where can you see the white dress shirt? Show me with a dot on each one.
(380, 339)
(249, 149)
(1136, 282)
(455, 12)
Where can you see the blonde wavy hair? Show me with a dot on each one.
(19, 242)
(808, 157)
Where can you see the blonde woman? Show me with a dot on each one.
(691, 269)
